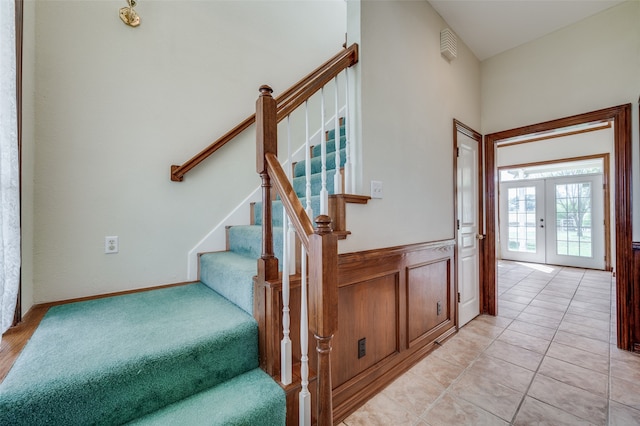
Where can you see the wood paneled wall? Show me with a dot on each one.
(401, 300)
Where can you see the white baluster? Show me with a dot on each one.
(305, 395)
(348, 167)
(285, 344)
(324, 194)
(307, 164)
(337, 178)
(289, 233)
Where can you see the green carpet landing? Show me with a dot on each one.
(114, 360)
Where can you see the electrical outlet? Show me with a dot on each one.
(111, 244)
(362, 347)
(376, 189)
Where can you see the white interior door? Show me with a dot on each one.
(468, 229)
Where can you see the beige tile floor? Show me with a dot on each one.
(549, 358)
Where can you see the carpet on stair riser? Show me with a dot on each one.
(316, 164)
(276, 208)
(108, 361)
(240, 401)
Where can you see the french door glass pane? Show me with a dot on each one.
(573, 219)
(522, 219)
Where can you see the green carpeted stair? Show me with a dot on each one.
(113, 360)
(184, 355)
(230, 273)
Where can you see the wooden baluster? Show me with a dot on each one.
(323, 308)
(266, 142)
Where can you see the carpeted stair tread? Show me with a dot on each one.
(231, 275)
(111, 360)
(246, 240)
(316, 150)
(300, 184)
(252, 398)
(316, 163)
(276, 208)
(332, 132)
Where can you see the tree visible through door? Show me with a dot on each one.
(557, 220)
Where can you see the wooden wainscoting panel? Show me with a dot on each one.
(428, 296)
(387, 296)
(423, 275)
(367, 310)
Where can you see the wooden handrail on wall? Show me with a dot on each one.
(288, 101)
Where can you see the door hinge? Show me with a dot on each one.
(457, 152)
(458, 297)
(458, 224)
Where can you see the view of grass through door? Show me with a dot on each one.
(553, 214)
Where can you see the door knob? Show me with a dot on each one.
(479, 237)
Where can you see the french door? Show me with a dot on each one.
(557, 220)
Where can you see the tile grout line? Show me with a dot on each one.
(471, 363)
(535, 374)
(457, 379)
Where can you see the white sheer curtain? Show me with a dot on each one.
(9, 169)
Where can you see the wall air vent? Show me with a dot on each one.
(448, 44)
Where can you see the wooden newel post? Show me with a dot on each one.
(323, 308)
(266, 142)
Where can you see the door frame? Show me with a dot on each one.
(621, 115)
(458, 126)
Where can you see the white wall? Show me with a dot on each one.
(116, 106)
(590, 65)
(409, 97)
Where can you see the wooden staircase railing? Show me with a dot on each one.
(320, 245)
(288, 101)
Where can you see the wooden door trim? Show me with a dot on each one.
(458, 126)
(623, 229)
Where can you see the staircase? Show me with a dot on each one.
(231, 272)
(195, 353)
(180, 355)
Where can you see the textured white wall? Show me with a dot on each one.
(409, 98)
(116, 106)
(590, 65)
